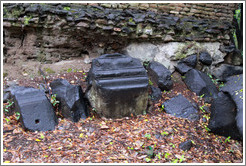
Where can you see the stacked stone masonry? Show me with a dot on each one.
(48, 30)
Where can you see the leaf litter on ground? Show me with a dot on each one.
(125, 140)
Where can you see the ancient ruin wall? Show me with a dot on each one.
(51, 32)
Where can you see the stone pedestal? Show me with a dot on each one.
(117, 86)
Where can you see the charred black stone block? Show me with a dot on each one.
(200, 83)
(117, 86)
(36, 111)
(160, 75)
(222, 119)
(71, 98)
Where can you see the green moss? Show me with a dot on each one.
(41, 57)
(131, 20)
(16, 13)
(26, 20)
(66, 8)
(187, 49)
(180, 55)
(5, 75)
(69, 70)
(49, 71)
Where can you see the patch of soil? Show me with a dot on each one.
(30, 69)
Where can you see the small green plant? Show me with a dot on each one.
(201, 96)
(172, 145)
(84, 76)
(206, 116)
(146, 64)
(178, 160)
(7, 120)
(221, 85)
(208, 129)
(166, 155)
(237, 16)
(53, 100)
(67, 8)
(228, 139)
(41, 136)
(148, 136)
(150, 82)
(181, 159)
(162, 107)
(27, 19)
(193, 142)
(202, 108)
(69, 70)
(17, 115)
(159, 156)
(164, 133)
(147, 159)
(175, 160)
(216, 81)
(10, 103)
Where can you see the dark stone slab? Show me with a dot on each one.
(179, 106)
(200, 83)
(222, 119)
(71, 98)
(160, 75)
(36, 111)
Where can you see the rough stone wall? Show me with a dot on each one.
(51, 32)
(220, 11)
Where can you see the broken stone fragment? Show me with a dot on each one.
(205, 58)
(200, 83)
(182, 68)
(160, 75)
(185, 146)
(186, 64)
(179, 106)
(225, 70)
(190, 60)
(36, 111)
(222, 119)
(71, 98)
(117, 86)
(234, 86)
(155, 93)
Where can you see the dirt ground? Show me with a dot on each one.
(30, 69)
